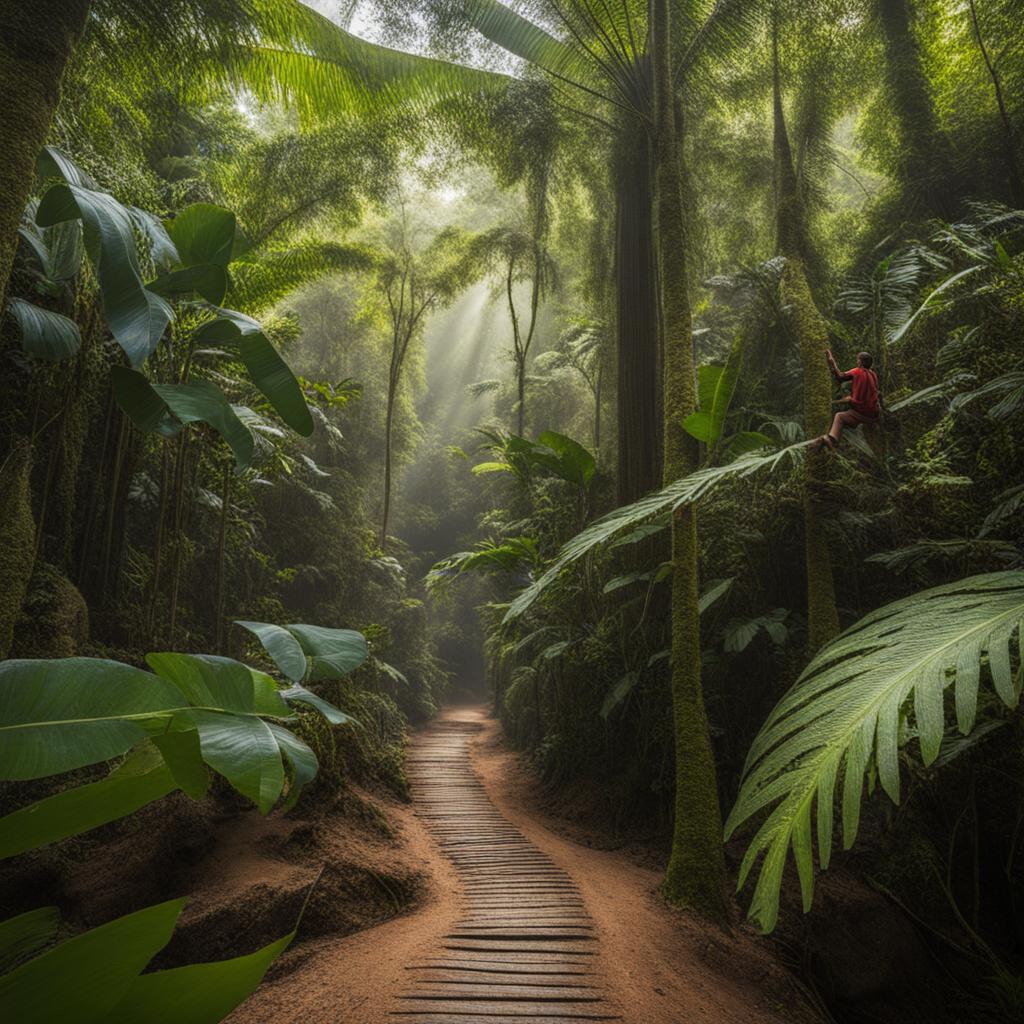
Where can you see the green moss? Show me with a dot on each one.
(54, 621)
(17, 538)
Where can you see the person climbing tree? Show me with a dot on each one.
(862, 399)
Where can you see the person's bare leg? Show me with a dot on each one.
(842, 419)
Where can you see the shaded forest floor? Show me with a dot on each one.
(659, 966)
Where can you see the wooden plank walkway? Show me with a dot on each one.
(525, 951)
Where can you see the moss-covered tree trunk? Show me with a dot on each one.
(638, 391)
(17, 537)
(36, 41)
(925, 165)
(811, 334)
(696, 868)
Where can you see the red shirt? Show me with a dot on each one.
(864, 392)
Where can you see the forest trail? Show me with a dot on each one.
(524, 948)
(621, 954)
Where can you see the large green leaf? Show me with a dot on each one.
(285, 650)
(849, 707)
(26, 934)
(63, 714)
(269, 372)
(209, 681)
(300, 757)
(203, 234)
(143, 778)
(297, 694)
(201, 401)
(573, 462)
(335, 652)
(197, 993)
(715, 388)
(83, 979)
(137, 318)
(207, 280)
(45, 334)
(686, 490)
(244, 750)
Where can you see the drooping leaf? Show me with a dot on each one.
(141, 779)
(619, 692)
(845, 712)
(67, 713)
(45, 334)
(335, 652)
(207, 279)
(137, 318)
(269, 372)
(297, 694)
(243, 749)
(572, 463)
(300, 757)
(145, 408)
(95, 970)
(282, 647)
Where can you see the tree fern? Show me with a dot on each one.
(684, 491)
(849, 710)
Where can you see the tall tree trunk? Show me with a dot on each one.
(696, 868)
(389, 421)
(811, 333)
(17, 537)
(638, 357)
(36, 42)
(222, 535)
(925, 168)
(1009, 141)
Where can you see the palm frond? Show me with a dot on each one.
(850, 706)
(263, 278)
(684, 491)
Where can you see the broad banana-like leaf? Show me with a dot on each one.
(846, 709)
(206, 279)
(298, 694)
(334, 652)
(25, 934)
(148, 406)
(45, 334)
(203, 234)
(300, 757)
(715, 388)
(243, 749)
(137, 318)
(686, 490)
(141, 779)
(209, 681)
(59, 715)
(282, 647)
(197, 993)
(269, 372)
(84, 978)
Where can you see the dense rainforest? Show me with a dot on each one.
(511, 511)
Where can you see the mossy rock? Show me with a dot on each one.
(54, 620)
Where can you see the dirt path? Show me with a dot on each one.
(522, 924)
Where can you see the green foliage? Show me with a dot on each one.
(851, 709)
(98, 975)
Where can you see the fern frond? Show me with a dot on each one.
(850, 706)
(684, 491)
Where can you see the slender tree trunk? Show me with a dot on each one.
(638, 396)
(158, 544)
(36, 42)
(1009, 142)
(388, 428)
(696, 868)
(597, 410)
(811, 333)
(925, 169)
